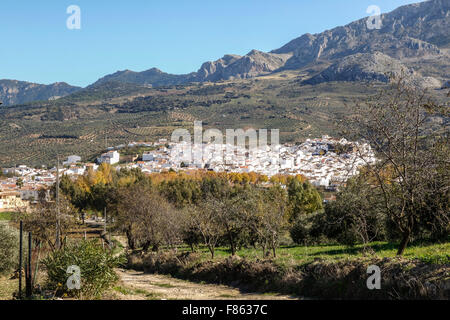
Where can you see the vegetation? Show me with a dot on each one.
(6, 216)
(209, 208)
(401, 199)
(335, 272)
(410, 180)
(96, 266)
(40, 129)
(297, 255)
(9, 249)
(42, 221)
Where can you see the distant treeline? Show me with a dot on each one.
(58, 136)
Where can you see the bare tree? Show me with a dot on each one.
(147, 218)
(266, 215)
(41, 220)
(412, 170)
(203, 218)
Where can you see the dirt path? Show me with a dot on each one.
(136, 285)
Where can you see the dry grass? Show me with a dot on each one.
(8, 287)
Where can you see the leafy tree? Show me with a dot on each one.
(272, 219)
(181, 191)
(303, 198)
(356, 215)
(9, 248)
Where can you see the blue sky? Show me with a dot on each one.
(173, 35)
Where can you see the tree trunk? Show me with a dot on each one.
(130, 239)
(232, 246)
(403, 243)
(145, 246)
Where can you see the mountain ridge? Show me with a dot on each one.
(18, 92)
(410, 34)
(416, 30)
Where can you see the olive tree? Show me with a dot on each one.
(147, 218)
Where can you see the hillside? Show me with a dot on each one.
(302, 88)
(39, 130)
(18, 92)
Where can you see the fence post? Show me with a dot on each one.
(20, 258)
(28, 280)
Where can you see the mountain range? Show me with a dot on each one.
(413, 38)
(17, 92)
(410, 33)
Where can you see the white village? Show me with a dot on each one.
(325, 162)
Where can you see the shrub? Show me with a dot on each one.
(308, 228)
(9, 248)
(300, 231)
(96, 266)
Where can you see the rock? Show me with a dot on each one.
(362, 67)
(413, 31)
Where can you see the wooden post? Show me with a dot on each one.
(20, 258)
(28, 280)
(104, 217)
(58, 228)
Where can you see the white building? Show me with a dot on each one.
(110, 157)
(72, 160)
(148, 156)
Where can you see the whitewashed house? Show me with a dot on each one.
(111, 157)
(72, 160)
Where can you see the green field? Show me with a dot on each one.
(297, 255)
(6, 216)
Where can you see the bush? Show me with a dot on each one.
(169, 262)
(308, 228)
(96, 266)
(300, 231)
(9, 248)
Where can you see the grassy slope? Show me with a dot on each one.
(6, 216)
(327, 271)
(7, 287)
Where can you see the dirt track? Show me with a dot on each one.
(144, 286)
